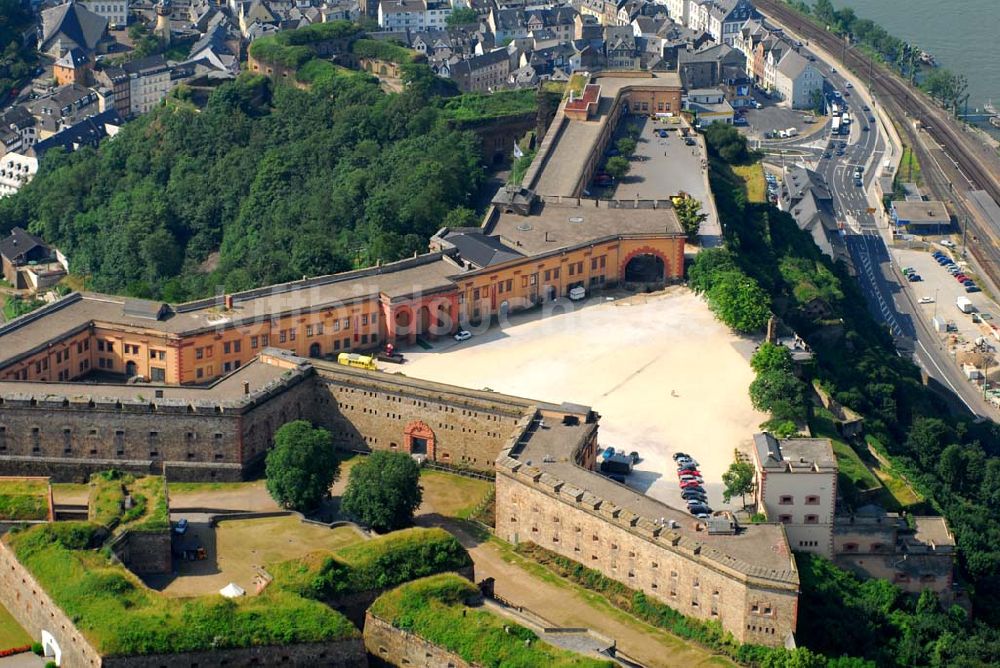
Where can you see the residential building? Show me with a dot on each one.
(710, 66)
(413, 14)
(17, 130)
(621, 49)
(796, 484)
(796, 80)
(73, 67)
(71, 26)
(806, 195)
(483, 74)
(921, 216)
(28, 262)
(709, 106)
(86, 132)
(15, 171)
(115, 11)
(62, 108)
(725, 17)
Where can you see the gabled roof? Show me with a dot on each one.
(89, 131)
(73, 58)
(72, 22)
(482, 250)
(20, 242)
(792, 64)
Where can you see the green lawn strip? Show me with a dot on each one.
(753, 177)
(849, 462)
(11, 633)
(195, 487)
(154, 514)
(464, 493)
(478, 107)
(370, 565)
(107, 494)
(121, 616)
(600, 603)
(24, 500)
(434, 609)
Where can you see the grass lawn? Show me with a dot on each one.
(452, 495)
(70, 492)
(191, 487)
(24, 499)
(11, 633)
(851, 466)
(236, 547)
(909, 168)
(753, 177)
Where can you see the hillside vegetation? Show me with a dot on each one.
(281, 182)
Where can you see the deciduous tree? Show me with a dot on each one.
(383, 491)
(302, 465)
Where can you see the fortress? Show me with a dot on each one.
(224, 373)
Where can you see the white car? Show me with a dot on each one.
(947, 243)
(926, 300)
(463, 335)
(577, 293)
(850, 85)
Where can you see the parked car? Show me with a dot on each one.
(463, 335)
(700, 511)
(840, 152)
(973, 288)
(687, 478)
(577, 293)
(692, 472)
(908, 270)
(947, 243)
(968, 282)
(858, 183)
(680, 455)
(181, 527)
(915, 278)
(827, 155)
(692, 493)
(691, 484)
(687, 462)
(960, 277)
(635, 457)
(926, 300)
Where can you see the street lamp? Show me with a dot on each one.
(936, 290)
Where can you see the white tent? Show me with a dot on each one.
(233, 590)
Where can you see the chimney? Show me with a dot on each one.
(228, 301)
(246, 387)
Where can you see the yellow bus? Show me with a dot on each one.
(358, 361)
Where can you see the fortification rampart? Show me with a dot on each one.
(390, 646)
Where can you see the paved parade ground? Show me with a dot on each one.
(664, 375)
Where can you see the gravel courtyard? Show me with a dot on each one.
(664, 375)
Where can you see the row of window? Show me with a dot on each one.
(787, 500)
(809, 519)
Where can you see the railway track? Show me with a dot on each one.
(968, 164)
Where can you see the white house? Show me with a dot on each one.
(413, 14)
(796, 80)
(115, 11)
(796, 484)
(15, 171)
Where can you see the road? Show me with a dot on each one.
(889, 301)
(953, 159)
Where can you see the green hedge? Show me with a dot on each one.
(107, 494)
(476, 106)
(433, 608)
(271, 50)
(372, 565)
(121, 616)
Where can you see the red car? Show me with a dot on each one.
(681, 472)
(960, 277)
(690, 484)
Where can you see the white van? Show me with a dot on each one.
(577, 293)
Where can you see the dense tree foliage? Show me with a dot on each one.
(737, 481)
(283, 182)
(383, 491)
(771, 357)
(16, 61)
(857, 364)
(689, 214)
(302, 465)
(734, 297)
(617, 167)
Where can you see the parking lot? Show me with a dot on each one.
(941, 287)
(664, 375)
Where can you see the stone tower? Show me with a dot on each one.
(162, 30)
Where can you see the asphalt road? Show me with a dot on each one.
(888, 299)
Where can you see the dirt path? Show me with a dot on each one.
(564, 604)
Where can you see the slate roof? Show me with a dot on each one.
(482, 250)
(90, 131)
(73, 58)
(19, 242)
(73, 22)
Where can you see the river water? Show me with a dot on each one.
(961, 34)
